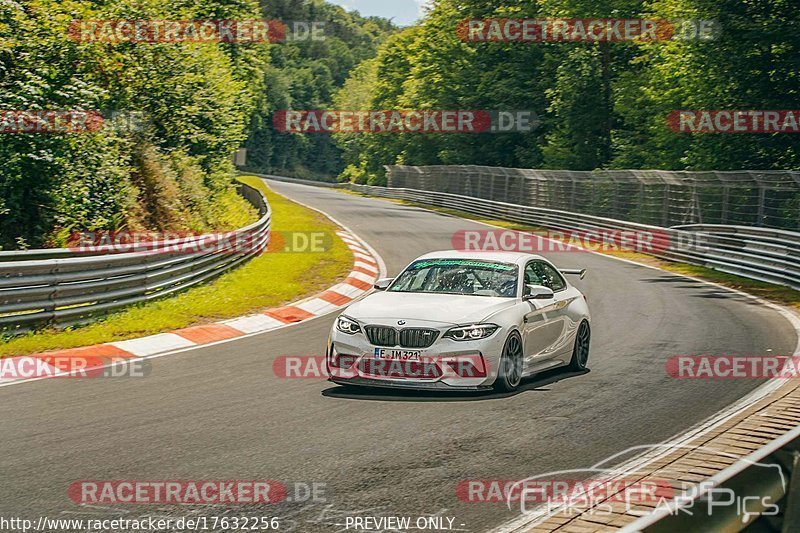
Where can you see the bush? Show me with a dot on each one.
(197, 101)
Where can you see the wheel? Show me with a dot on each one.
(510, 373)
(580, 354)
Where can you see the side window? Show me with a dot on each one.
(538, 273)
(551, 277)
(532, 275)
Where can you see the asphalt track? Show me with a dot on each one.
(220, 413)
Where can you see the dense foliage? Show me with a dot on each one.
(304, 74)
(193, 103)
(601, 105)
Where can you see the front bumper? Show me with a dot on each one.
(446, 365)
(438, 386)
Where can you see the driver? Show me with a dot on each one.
(457, 281)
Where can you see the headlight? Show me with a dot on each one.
(347, 325)
(472, 333)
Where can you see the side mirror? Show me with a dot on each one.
(383, 284)
(538, 292)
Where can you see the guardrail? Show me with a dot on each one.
(771, 256)
(759, 493)
(763, 254)
(65, 287)
(762, 198)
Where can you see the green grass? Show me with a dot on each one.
(269, 280)
(771, 292)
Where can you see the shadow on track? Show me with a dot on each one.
(703, 290)
(533, 384)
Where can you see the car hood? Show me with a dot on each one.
(443, 308)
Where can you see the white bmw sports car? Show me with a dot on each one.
(457, 320)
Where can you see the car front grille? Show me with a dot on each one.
(407, 338)
(417, 338)
(381, 336)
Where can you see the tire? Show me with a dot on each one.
(580, 353)
(511, 361)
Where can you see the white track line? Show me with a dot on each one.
(249, 325)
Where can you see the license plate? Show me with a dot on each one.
(397, 355)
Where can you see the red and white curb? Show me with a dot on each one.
(367, 268)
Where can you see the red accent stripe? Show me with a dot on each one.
(98, 350)
(208, 334)
(357, 283)
(367, 261)
(289, 315)
(85, 357)
(335, 298)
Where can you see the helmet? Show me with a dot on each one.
(456, 280)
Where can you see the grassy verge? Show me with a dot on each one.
(269, 280)
(774, 293)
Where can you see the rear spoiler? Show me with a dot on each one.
(574, 272)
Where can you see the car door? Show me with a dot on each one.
(558, 313)
(545, 326)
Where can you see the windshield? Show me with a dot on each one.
(459, 276)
